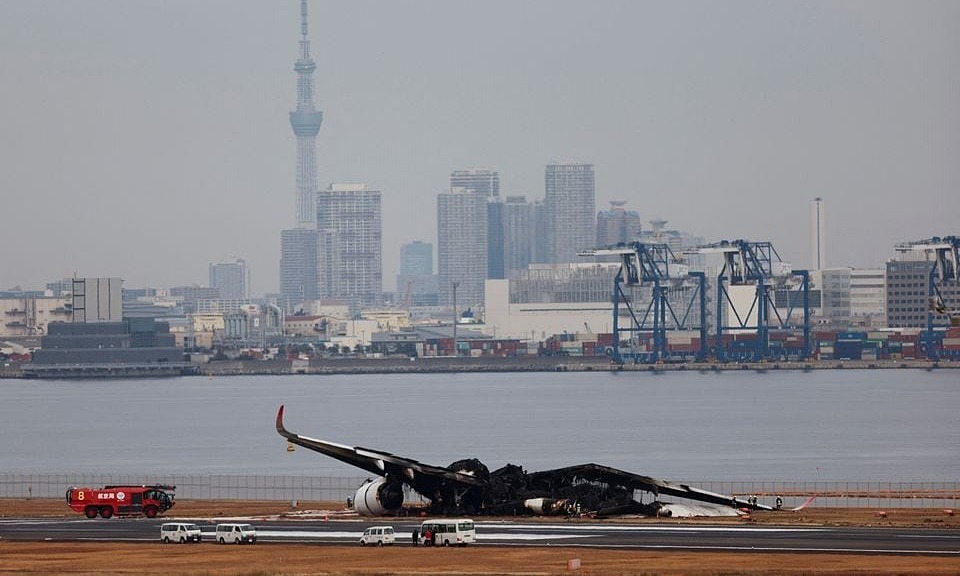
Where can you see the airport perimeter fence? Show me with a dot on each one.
(190, 487)
(840, 494)
(339, 488)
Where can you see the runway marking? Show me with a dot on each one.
(400, 539)
(504, 536)
(584, 527)
(307, 534)
(919, 552)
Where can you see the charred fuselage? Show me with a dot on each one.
(467, 487)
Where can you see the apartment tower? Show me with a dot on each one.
(570, 204)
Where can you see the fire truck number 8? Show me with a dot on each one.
(113, 500)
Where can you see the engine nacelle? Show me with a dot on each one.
(378, 497)
(551, 506)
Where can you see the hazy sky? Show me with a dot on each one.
(145, 139)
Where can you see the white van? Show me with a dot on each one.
(379, 535)
(236, 534)
(179, 532)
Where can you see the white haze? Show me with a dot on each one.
(145, 139)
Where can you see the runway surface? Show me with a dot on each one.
(662, 536)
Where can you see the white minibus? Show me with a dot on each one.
(444, 532)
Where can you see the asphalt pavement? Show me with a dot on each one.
(663, 536)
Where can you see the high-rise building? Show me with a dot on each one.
(298, 267)
(482, 181)
(416, 258)
(299, 280)
(540, 252)
(351, 213)
(495, 239)
(518, 235)
(416, 283)
(818, 240)
(617, 225)
(461, 247)
(570, 203)
(232, 278)
(486, 183)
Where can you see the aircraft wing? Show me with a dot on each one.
(629, 480)
(417, 474)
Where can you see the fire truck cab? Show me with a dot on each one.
(121, 500)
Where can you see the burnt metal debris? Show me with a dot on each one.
(468, 487)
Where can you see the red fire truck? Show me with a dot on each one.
(121, 500)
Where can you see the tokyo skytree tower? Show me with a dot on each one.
(305, 121)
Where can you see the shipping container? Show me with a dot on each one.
(848, 350)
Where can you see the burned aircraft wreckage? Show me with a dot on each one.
(468, 487)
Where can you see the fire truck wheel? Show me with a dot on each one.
(90, 511)
(106, 511)
(150, 511)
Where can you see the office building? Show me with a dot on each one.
(540, 252)
(617, 225)
(570, 204)
(519, 232)
(908, 296)
(495, 238)
(232, 278)
(416, 258)
(298, 267)
(416, 283)
(868, 294)
(834, 287)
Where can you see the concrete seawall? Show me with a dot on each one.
(536, 364)
(361, 365)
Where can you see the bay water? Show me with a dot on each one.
(833, 425)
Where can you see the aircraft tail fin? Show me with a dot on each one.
(805, 504)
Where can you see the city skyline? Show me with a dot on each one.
(158, 157)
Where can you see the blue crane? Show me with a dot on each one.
(653, 265)
(758, 264)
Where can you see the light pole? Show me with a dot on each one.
(456, 351)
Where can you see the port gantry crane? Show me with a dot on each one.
(653, 265)
(755, 263)
(946, 269)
